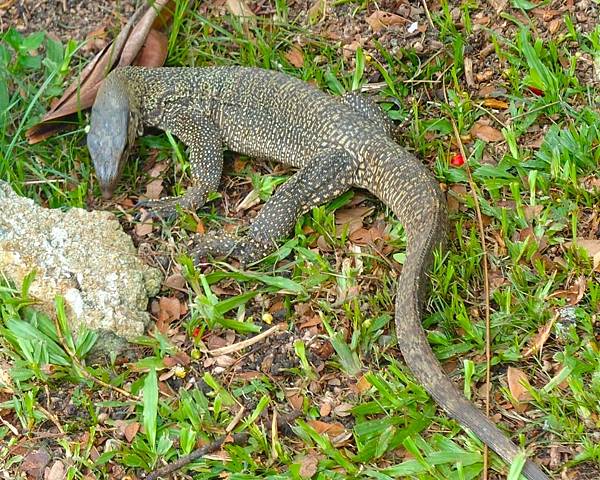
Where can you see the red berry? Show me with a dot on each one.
(196, 332)
(457, 160)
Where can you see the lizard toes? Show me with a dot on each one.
(163, 209)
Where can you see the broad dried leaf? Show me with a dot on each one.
(239, 8)
(145, 226)
(130, 431)
(309, 466)
(486, 133)
(331, 429)
(57, 471)
(352, 218)
(380, 20)
(154, 189)
(516, 380)
(169, 309)
(154, 51)
(80, 94)
(537, 342)
(574, 293)
(363, 384)
(495, 103)
(35, 462)
(295, 56)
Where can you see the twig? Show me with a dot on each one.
(246, 343)
(424, 2)
(486, 282)
(236, 439)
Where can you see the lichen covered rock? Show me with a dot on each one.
(83, 256)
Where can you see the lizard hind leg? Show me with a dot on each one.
(326, 176)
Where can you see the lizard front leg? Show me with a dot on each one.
(203, 140)
(327, 176)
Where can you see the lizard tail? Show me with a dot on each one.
(425, 223)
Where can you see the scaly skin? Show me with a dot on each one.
(335, 143)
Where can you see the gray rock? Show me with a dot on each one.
(83, 256)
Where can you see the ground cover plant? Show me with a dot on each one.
(500, 100)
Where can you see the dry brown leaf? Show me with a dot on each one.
(35, 462)
(380, 20)
(239, 8)
(131, 430)
(495, 103)
(516, 384)
(331, 429)
(169, 309)
(537, 343)
(363, 384)
(57, 471)
(175, 281)
(352, 218)
(145, 226)
(295, 56)
(592, 248)
(154, 189)
(309, 466)
(468, 69)
(486, 133)
(154, 50)
(574, 293)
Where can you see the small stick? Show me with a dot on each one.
(170, 468)
(246, 343)
(236, 439)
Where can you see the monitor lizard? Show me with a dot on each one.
(335, 143)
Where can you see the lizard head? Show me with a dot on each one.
(113, 129)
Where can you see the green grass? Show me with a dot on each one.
(392, 428)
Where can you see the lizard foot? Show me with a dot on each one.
(223, 244)
(166, 208)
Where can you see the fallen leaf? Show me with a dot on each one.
(537, 343)
(295, 56)
(169, 309)
(57, 471)
(495, 103)
(331, 429)
(131, 430)
(363, 384)
(145, 226)
(154, 50)
(35, 462)
(516, 384)
(380, 20)
(308, 466)
(239, 8)
(351, 218)
(486, 133)
(175, 281)
(154, 189)
(468, 69)
(574, 293)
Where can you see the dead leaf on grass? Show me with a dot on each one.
(131, 430)
(169, 309)
(380, 20)
(308, 466)
(352, 218)
(331, 429)
(239, 8)
(57, 471)
(537, 343)
(495, 103)
(574, 293)
(295, 56)
(35, 462)
(486, 133)
(516, 384)
(145, 226)
(154, 189)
